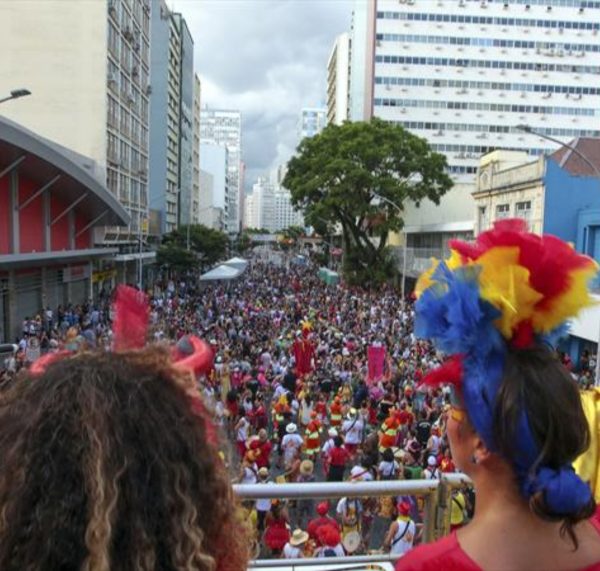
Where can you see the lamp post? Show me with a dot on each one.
(392, 203)
(15, 94)
(596, 171)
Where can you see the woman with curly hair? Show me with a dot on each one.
(107, 464)
(516, 424)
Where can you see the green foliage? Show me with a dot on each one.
(336, 176)
(210, 244)
(175, 257)
(256, 231)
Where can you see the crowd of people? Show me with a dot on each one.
(333, 421)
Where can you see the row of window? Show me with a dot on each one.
(496, 85)
(570, 3)
(455, 169)
(475, 151)
(470, 127)
(128, 158)
(474, 106)
(487, 63)
(488, 42)
(488, 20)
(522, 210)
(122, 119)
(130, 191)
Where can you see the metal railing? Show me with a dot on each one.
(437, 495)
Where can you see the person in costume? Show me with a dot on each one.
(323, 518)
(517, 423)
(312, 436)
(335, 412)
(110, 461)
(388, 435)
(401, 534)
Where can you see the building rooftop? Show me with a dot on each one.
(589, 147)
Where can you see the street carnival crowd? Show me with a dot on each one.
(310, 383)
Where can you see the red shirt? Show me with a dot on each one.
(338, 456)
(265, 451)
(447, 554)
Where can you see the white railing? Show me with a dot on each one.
(437, 495)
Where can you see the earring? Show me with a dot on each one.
(473, 459)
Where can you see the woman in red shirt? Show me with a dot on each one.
(338, 459)
(516, 423)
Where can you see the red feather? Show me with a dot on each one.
(450, 373)
(39, 366)
(131, 319)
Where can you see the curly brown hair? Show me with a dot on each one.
(105, 465)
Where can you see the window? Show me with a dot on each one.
(482, 218)
(502, 211)
(523, 210)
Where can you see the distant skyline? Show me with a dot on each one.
(267, 58)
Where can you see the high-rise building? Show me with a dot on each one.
(224, 128)
(269, 207)
(338, 81)
(195, 213)
(213, 186)
(87, 66)
(312, 121)
(465, 74)
(171, 118)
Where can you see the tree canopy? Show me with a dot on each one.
(338, 177)
(206, 243)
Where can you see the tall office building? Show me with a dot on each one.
(195, 211)
(171, 119)
(270, 207)
(464, 74)
(87, 66)
(224, 128)
(312, 121)
(338, 81)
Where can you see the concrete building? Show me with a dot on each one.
(87, 66)
(195, 211)
(51, 200)
(463, 74)
(338, 81)
(171, 119)
(214, 206)
(224, 128)
(269, 207)
(312, 121)
(557, 194)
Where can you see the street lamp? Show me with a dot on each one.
(596, 170)
(15, 94)
(400, 210)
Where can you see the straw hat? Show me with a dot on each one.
(306, 467)
(291, 428)
(298, 537)
(263, 472)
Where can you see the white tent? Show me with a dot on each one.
(239, 263)
(222, 272)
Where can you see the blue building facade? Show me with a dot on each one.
(572, 212)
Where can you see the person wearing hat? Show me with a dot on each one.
(294, 548)
(330, 541)
(323, 518)
(262, 505)
(353, 430)
(401, 535)
(312, 437)
(335, 412)
(291, 443)
(431, 472)
(305, 506)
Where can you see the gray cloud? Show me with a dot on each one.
(267, 58)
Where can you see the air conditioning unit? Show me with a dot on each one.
(127, 33)
(112, 7)
(111, 77)
(148, 89)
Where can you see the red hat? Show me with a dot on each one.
(403, 508)
(328, 535)
(322, 508)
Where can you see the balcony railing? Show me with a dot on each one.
(436, 493)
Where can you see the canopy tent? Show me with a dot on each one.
(239, 263)
(222, 272)
(329, 276)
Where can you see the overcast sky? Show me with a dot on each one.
(267, 58)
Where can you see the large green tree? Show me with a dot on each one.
(337, 177)
(206, 243)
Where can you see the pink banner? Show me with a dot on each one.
(376, 359)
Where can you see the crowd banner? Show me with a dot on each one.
(376, 362)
